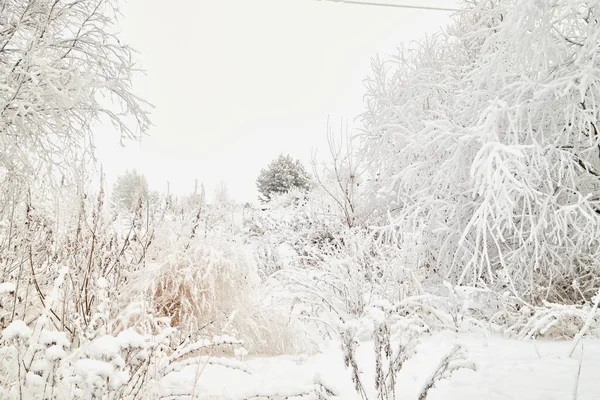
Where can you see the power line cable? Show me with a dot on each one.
(367, 3)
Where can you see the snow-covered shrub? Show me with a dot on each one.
(44, 363)
(394, 332)
(204, 279)
(116, 265)
(275, 235)
(202, 285)
(113, 349)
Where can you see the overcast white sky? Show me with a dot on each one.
(236, 82)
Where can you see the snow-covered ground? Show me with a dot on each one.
(506, 369)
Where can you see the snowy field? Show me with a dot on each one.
(445, 247)
(506, 369)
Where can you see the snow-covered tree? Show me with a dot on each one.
(486, 145)
(221, 194)
(342, 179)
(62, 69)
(129, 189)
(282, 174)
